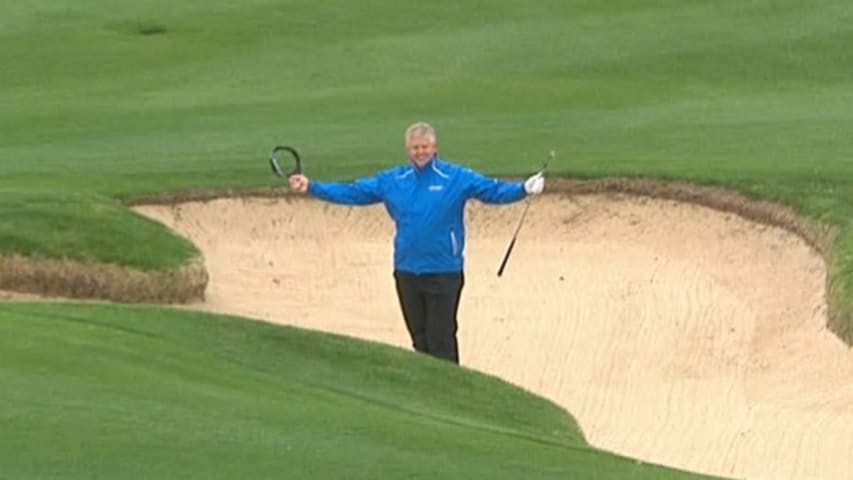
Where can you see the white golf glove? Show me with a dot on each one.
(535, 184)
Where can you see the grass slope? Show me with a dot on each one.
(110, 391)
(87, 228)
(145, 98)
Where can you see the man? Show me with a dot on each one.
(426, 199)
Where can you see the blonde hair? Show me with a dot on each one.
(420, 129)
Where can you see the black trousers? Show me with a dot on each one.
(430, 303)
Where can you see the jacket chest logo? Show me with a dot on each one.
(436, 188)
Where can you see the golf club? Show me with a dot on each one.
(274, 161)
(520, 222)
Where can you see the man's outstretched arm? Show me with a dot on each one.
(492, 190)
(363, 191)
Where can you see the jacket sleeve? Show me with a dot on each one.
(492, 190)
(363, 191)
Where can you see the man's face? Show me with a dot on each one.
(420, 149)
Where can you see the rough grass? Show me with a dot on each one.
(72, 279)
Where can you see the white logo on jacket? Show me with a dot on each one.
(436, 188)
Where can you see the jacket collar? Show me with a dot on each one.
(427, 166)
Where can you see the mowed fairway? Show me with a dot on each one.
(112, 392)
(107, 102)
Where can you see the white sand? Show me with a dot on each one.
(673, 333)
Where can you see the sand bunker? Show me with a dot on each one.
(674, 333)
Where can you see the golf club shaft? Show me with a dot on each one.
(514, 237)
(521, 222)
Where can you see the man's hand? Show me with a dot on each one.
(535, 184)
(298, 183)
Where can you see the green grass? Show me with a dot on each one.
(84, 227)
(112, 391)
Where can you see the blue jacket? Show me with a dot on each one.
(427, 205)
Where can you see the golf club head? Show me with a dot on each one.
(276, 166)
